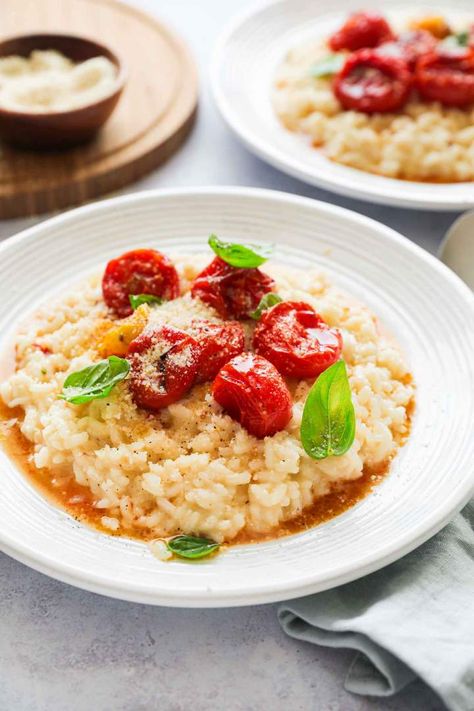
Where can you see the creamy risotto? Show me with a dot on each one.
(49, 81)
(190, 468)
(422, 139)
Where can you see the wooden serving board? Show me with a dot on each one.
(153, 117)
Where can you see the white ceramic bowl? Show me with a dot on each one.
(243, 69)
(430, 311)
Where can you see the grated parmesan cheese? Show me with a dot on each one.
(48, 81)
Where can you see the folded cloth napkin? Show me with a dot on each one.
(412, 618)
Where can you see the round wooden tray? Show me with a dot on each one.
(153, 117)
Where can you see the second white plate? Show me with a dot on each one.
(243, 70)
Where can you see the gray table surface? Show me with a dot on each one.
(65, 649)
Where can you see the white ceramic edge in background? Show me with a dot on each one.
(403, 545)
(377, 189)
(457, 248)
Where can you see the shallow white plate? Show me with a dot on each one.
(243, 69)
(426, 306)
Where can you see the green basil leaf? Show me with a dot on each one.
(327, 67)
(96, 381)
(266, 302)
(246, 256)
(328, 422)
(461, 39)
(137, 300)
(191, 546)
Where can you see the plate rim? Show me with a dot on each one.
(266, 151)
(263, 593)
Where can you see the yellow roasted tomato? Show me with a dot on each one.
(436, 25)
(118, 338)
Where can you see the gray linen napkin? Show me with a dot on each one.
(412, 618)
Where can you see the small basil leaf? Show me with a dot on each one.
(244, 256)
(461, 39)
(327, 67)
(96, 381)
(137, 300)
(328, 422)
(266, 302)
(191, 546)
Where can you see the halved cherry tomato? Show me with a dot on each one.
(362, 29)
(141, 271)
(218, 343)
(164, 362)
(298, 342)
(252, 391)
(233, 292)
(410, 46)
(447, 77)
(372, 82)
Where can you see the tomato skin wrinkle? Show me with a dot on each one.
(298, 342)
(218, 343)
(372, 82)
(447, 77)
(140, 271)
(361, 30)
(251, 390)
(233, 292)
(163, 366)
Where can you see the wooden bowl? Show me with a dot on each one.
(58, 129)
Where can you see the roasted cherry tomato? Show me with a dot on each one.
(298, 342)
(362, 29)
(436, 25)
(233, 292)
(164, 362)
(410, 46)
(447, 77)
(141, 271)
(372, 82)
(218, 343)
(252, 391)
(117, 338)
